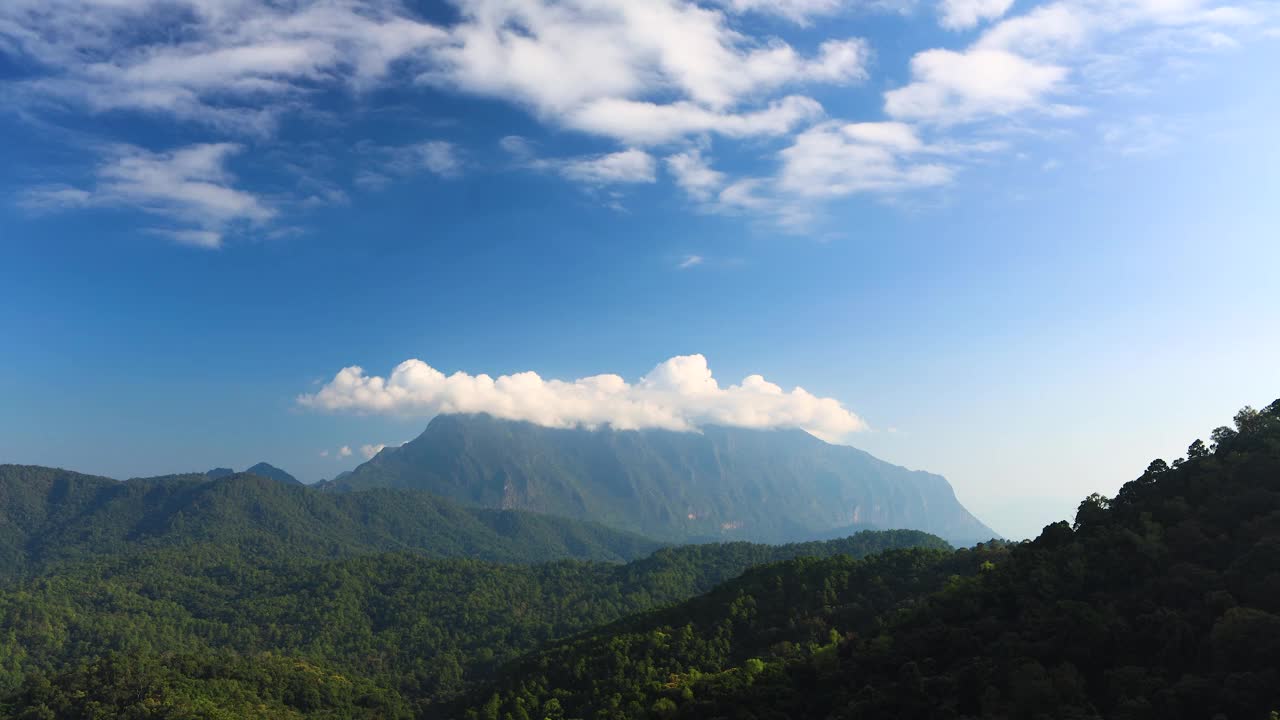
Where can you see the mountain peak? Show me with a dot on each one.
(719, 483)
(272, 472)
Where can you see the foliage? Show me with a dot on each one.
(1163, 602)
(416, 630)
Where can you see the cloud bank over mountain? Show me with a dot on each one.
(679, 394)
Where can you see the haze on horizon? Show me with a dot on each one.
(1029, 246)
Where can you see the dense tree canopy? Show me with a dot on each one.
(211, 622)
(1163, 602)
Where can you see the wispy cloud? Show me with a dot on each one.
(646, 80)
(965, 14)
(626, 166)
(190, 186)
(694, 174)
(383, 163)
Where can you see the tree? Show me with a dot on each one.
(1197, 449)
(1222, 436)
(1092, 511)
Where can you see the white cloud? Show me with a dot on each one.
(1020, 63)
(690, 261)
(694, 175)
(949, 87)
(559, 56)
(834, 160)
(797, 11)
(747, 194)
(190, 185)
(344, 451)
(627, 166)
(518, 147)
(645, 74)
(600, 66)
(368, 451)
(965, 14)
(803, 12)
(1073, 29)
(648, 123)
(240, 64)
(438, 157)
(230, 63)
(1048, 31)
(51, 198)
(679, 394)
(324, 453)
(207, 239)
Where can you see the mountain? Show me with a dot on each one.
(261, 470)
(272, 472)
(720, 483)
(1162, 602)
(49, 515)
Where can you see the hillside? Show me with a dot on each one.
(721, 483)
(49, 515)
(1163, 602)
(208, 631)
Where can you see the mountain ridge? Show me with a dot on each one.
(780, 485)
(49, 515)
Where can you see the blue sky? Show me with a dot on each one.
(1029, 246)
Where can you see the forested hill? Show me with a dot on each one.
(49, 515)
(720, 483)
(207, 631)
(1163, 602)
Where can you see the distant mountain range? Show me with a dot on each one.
(49, 516)
(720, 483)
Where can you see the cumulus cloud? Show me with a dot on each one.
(368, 451)
(835, 160)
(950, 87)
(679, 394)
(344, 451)
(557, 57)
(191, 186)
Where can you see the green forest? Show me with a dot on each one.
(245, 597)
